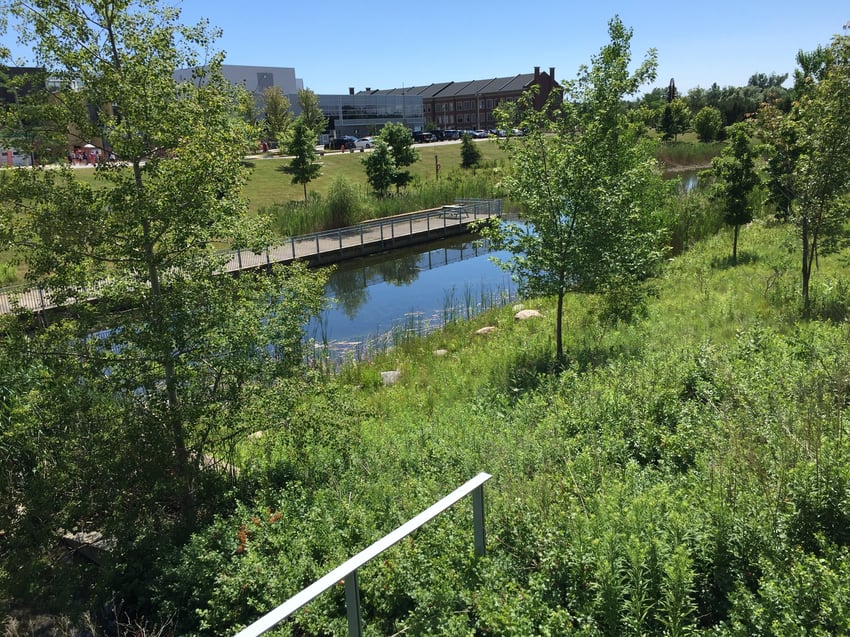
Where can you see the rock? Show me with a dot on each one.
(524, 315)
(440, 352)
(518, 307)
(486, 330)
(90, 545)
(256, 435)
(391, 377)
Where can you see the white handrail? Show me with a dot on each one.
(271, 619)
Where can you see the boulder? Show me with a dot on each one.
(391, 377)
(440, 352)
(524, 315)
(486, 330)
(89, 544)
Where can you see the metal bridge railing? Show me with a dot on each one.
(348, 570)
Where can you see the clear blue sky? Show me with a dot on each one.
(381, 44)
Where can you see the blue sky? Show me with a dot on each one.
(334, 45)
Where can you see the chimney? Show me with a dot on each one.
(551, 73)
(368, 90)
(536, 72)
(351, 90)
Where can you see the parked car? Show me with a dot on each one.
(451, 134)
(364, 142)
(337, 143)
(423, 137)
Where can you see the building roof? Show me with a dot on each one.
(512, 84)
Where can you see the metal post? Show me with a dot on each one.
(352, 605)
(292, 242)
(239, 258)
(480, 537)
(339, 237)
(318, 252)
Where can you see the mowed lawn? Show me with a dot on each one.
(268, 184)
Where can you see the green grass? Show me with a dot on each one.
(268, 185)
(676, 461)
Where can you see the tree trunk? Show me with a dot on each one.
(559, 327)
(735, 245)
(159, 323)
(807, 263)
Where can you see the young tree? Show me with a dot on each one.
(779, 134)
(675, 119)
(302, 147)
(128, 420)
(708, 124)
(470, 154)
(399, 139)
(311, 113)
(822, 171)
(736, 178)
(588, 184)
(278, 116)
(380, 168)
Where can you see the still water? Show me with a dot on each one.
(419, 289)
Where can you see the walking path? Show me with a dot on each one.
(320, 248)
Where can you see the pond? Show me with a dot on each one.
(376, 301)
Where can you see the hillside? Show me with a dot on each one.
(685, 473)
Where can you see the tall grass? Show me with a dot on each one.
(8, 274)
(347, 203)
(687, 154)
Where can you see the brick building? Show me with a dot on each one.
(470, 105)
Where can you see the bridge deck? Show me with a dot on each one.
(320, 248)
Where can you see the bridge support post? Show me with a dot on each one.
(352, 605)
(479, 534)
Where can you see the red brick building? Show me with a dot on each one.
(470, 105)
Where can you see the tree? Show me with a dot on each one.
(278, 114)
(399, 139)
(311, 113)
(708, 124)
(588, 184)
(779, 133)
(127, 420)
(675, 119)
(470, 154)
(26, 121)
(302, 147)
(380, 167)
(822, 170)
(736, 178)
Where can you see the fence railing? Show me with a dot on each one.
(348, 570)
(377, 234)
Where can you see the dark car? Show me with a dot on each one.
(338, 142)
(422, 137)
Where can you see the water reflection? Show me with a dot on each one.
(423, 285)
(688, 179)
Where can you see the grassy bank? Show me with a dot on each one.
(682, 476)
